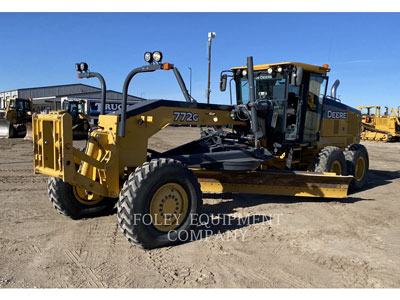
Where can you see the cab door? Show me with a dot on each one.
(312, 107)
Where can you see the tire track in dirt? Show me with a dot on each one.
(250, 277)
(262, 274)
(30, 170)
(175, 273)
(87, 273)
(100, 233)
(107, 265)
(18, 179)
(300, 243)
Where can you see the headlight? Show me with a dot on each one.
(279, 69)
(244, 73)
(269, 71)
(157, 56)
(148, 57)
(81, 67)
(84, 66)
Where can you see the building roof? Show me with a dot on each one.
(60, 86)
(63, 90)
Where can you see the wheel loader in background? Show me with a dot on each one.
(80, 119)
(378, 127)
(283, 136)
(17, 118)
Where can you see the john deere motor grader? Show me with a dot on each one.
(17, 119)
(283, 136)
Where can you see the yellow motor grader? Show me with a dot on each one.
(17, 118)
(284, 136)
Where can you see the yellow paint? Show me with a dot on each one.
(336, 168)
(306, 67)
(218, 187)
(84, 197)
(360, 168)
(11, 113)
(169, 207)
(107, 155)
(377, 126)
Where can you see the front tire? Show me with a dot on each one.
(330, 159)
(73, 202)
(158, 202)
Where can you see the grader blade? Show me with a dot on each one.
(28, 135)
(275, 182)
(6, 129)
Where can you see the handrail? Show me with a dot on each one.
(103, 87)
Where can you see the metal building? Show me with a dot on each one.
(50, 97)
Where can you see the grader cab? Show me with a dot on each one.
(284, 136)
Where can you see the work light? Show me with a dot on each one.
(279, 69)
(81, 67)
(84, 67)
(148, 57)
(157, 56)
(269, 71)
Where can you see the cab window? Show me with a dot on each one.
(80, 108)
(315, 98)
(27, 105)
(65, 105)
(316, 91)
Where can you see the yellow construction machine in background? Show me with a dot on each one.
(380, 127)
(80, 119)
(17, 119)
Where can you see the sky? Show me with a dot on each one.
(362, 49)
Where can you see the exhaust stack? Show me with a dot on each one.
(334, 88)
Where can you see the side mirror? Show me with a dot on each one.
(297, 76)
(222, 82)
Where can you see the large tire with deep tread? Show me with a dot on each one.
(353, 154)
(327, 157)
(63, 199)
(137, 194)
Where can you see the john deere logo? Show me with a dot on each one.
(337, 115)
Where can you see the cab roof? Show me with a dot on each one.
(306, 67)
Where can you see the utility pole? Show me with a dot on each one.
(190, 82)
(211, 35)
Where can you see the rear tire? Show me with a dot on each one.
(330, 159)
(357, 160)
(63, 198)
(158, 202)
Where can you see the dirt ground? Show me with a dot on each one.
(289, 242)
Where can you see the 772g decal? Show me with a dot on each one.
(186, 116)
